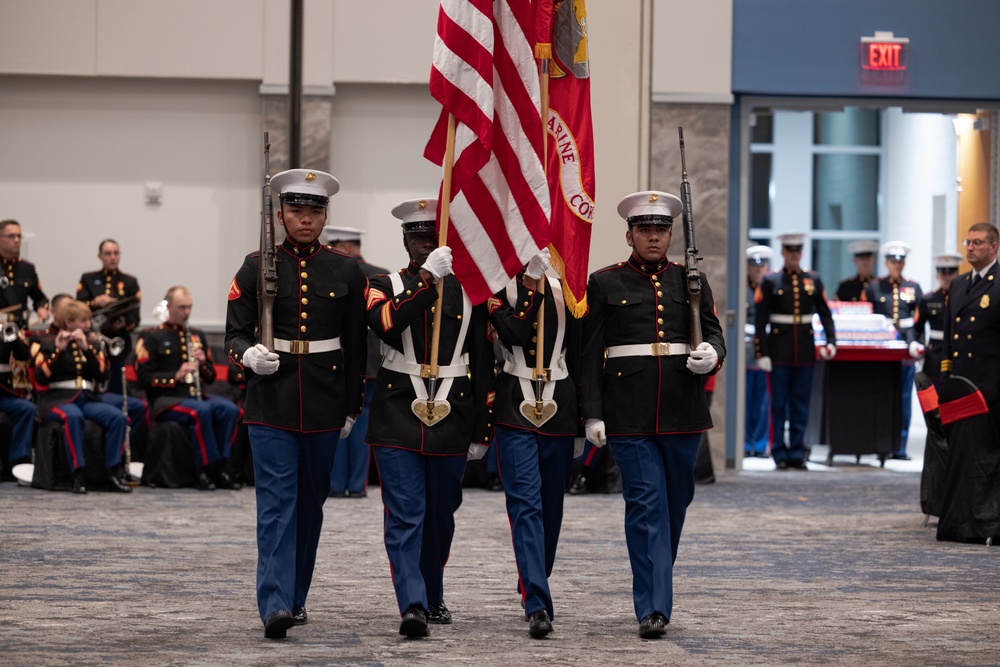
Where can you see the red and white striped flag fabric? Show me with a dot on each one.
(484, 72)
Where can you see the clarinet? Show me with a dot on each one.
(129, 479)
(196, 376)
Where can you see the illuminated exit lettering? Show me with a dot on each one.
(884, 52)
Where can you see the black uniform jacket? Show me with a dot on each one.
(517, 326)
(120, 286)
(321, 295)
(18, 282)
(9, 351)
(799, 294)
(897, 300)
(392, 421)
(852, 289)
(374, 345)
(637, 303)
(158, 355)
(930, 319)
(972, 331)
(74, 364)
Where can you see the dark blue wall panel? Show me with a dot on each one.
(811, 47)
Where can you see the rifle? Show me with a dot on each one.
(267, 280)
(693, 276)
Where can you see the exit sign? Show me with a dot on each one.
(884, 52)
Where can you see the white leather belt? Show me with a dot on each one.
(791, 319)
(72, 384)
(905, 323)
(306, 346)
(935, 335)
(554, 374)
(4, 368)
(394, 361)
(649, 350)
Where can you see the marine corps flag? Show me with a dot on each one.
(562, 38)
(484, 74)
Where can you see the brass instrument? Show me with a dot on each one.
(118, 308)
(10, 332)
(114, 346)
(195, 377)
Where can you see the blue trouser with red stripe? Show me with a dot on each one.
(658, 485)
(535, 469)
(790, 390)
(420, 494)
(70, 417)
(212, 422)
(292, 481)
(350, 466)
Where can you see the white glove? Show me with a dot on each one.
(345, 430)
(578, 445)
(596, 432)
(764, 364)
(916, 350)
(477, 451)
(702, 359)
(828, 352)
(539, 264)
(261, 360)
(438, 263)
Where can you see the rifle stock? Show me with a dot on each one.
(692, 275)
(267, 283)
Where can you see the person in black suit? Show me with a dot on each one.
(972, 326)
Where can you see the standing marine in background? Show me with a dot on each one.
(854, 289)
(929, 318)
(758, 424)
(18, 278)
(785, 348)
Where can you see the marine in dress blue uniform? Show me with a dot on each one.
(972, 326)
(784, 347)
(174, 364)
(18, 409)
(301, 396)
(534, 441)
(115, 299)
(350, 466)
(896, 298)
(643, 392)
(758, 423)
(930, 316)
(853, 289)
(18, 278)
(421, 460)
(68, 368)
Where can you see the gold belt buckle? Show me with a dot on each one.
(542, 375)
(79, 382)
(796, 319)
(425, 371)
(298, 346)
(661, 349)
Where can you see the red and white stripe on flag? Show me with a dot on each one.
(484, 72)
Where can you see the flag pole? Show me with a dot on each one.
(443, 207)
(539, 373)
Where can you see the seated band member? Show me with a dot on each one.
(421, 457)
(536, 425)
(174, 364)
(20, 411)
(69, 366)
(115, 299)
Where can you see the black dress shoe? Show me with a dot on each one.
(653, 626)
(357, 494)
(901, 457)
(413, 623)
(579, 486)
(781, 465)
(539, 624)
(78, 485)
(493, 483)
(277, 624)
(225, 481)
(204, 483)
(798, 465)
(118, 484)
(300, 616)
(438, 614)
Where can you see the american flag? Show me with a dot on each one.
(484, 72)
